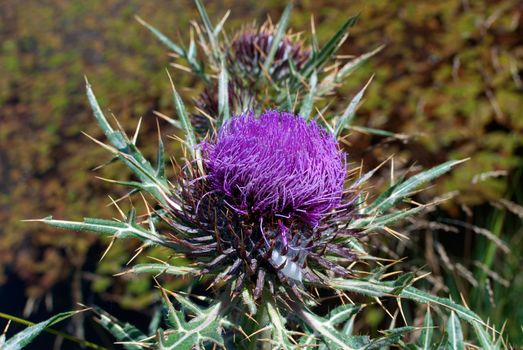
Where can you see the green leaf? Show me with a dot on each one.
(129, 154)
(454, 332)
(280, 336)
(391, 337)
(160, 269)
(381, 288)
(352, 65)
(308, 342)
(123, 332)
(162, 38)
(348, 327)
(190, 56)
(190, 137)
(425, 339)
(156, 320)
(191, 52)
(403, 189)
(342, 313)
(109, 228)
(307, 104)
(326, 331)
(208, 28)
(349, 113)
(318, 59)
(484, 338)
(378, 132)
(160, 158)
(280, 32)
(372, 223)
(25, 337)
(402, 282)
(185, 335)
(223, 95)
(248, 301)
(188, 306)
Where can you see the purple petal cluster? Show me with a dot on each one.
(276, 165)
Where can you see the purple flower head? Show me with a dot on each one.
(276, 165)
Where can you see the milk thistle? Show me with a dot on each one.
(267, 211)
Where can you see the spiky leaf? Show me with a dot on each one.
(455, 333)
(318, 59)
(204, 328)
(381, 288)
(403, 189)
(123, 332)
(280, 32)
(425, 339)
(114, 228)
(25, 337)
(126, 150)
(349, 113)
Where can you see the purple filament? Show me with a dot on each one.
(277, 164)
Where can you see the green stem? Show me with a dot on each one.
(261, 320)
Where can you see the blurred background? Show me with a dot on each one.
(447, 85)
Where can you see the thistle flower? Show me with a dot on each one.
(250, 48)
(276, 165)
(267, 203)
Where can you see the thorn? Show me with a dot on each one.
(395, 233)
(170, 80)
(224, 18)
(158, 260)
(119, 126)
(415, 279)
(252, 319)
(401, 310)
(107, 147)
(378, 301)
(6, 327)
(258, 331)
(139, 20)
(96, 168)
(110, 181)
(35, 220)
(135, 136)
(181, 67)
(158, 128)
(463, 300)
(164, 117)
(138, 251)
(118, 208)
(108, 248)
(392, 171)
(323, 118)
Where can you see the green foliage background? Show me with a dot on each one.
(449, 76)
